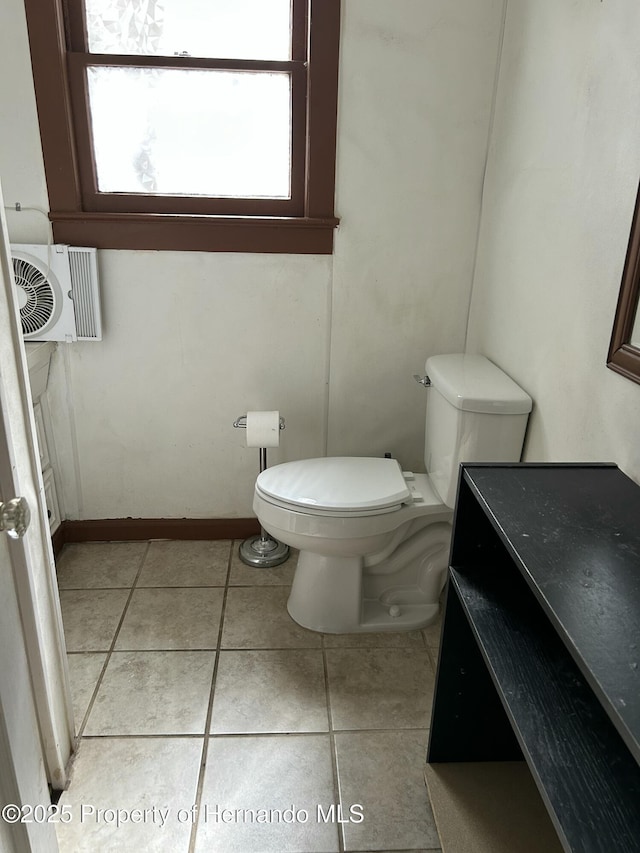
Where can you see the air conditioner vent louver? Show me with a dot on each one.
(39, 307)
(83, 294)
(58, 292)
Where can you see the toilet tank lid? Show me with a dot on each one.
(337, 483)
(475, 384)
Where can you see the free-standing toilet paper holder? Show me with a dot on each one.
(262, 551)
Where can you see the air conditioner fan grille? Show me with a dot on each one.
(39, 307)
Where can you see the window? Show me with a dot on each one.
(188, 124)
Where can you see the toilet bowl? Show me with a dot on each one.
(374, 539)
(352, 574)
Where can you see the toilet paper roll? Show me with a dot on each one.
(263, 429)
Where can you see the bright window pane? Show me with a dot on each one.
(217, 29)
(191, 132)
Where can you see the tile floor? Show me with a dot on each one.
(209, 721)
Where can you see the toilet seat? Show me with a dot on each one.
(325, 513)
(370, 495)
(336, 486)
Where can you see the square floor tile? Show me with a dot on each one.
(84, 671)
(380, 688)
(159, 776)
(185, 618)
(257, 618)
(91, 617)
(270, 691)
(153, 693)
(267, 773)
(99, 564)
(185, 563)
(383, 772)
(243, 575)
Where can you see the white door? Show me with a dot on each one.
(24, 796)
(36, 728)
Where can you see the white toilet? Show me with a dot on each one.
(373, 539)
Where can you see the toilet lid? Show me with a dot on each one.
(339, 483)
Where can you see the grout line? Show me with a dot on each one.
(433, 657)
(181, 650)
(207, 724)
(79, 733)
(332, 742)
(129, 586)
(262, 735)
(269, 649)
(146, 736)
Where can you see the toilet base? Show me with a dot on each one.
(377, 616)
(340, 595)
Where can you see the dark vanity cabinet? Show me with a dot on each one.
(540, 647)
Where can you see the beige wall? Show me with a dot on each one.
(415, 101)
(143, 419)
(559, 192)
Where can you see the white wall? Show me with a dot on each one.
(416, 89)
(193, 340)
(21, 166)
(558, 199)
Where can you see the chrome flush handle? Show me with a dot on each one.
(422, 380)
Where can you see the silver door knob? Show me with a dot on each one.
(15, 516)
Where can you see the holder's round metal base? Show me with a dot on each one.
(263, 552)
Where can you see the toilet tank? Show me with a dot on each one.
(475, 413)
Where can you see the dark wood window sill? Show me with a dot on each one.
(192, 233)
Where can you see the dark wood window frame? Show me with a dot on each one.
(623, 357)
(82, 216)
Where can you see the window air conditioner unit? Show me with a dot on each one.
(58, 292)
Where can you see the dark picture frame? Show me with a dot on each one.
(623, 356)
